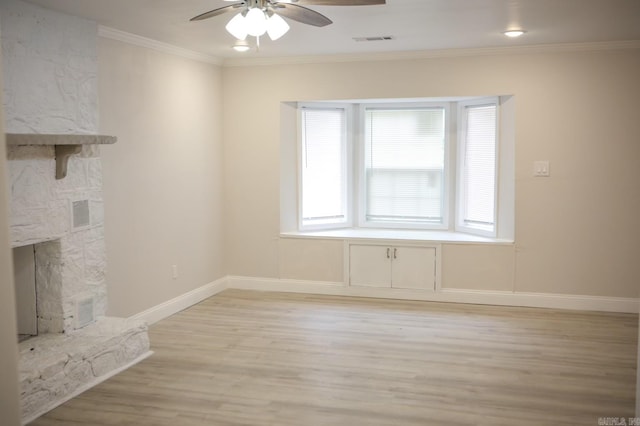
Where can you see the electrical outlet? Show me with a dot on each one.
(541, 169)
(174, 270)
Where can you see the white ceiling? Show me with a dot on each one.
(415, 24)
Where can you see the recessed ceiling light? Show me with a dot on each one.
(241, 46)
(514, 33)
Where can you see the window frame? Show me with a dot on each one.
(347, 192)
(360, 166)
(460, 224)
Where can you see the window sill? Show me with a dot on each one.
(396, 234)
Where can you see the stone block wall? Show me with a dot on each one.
(50, 70)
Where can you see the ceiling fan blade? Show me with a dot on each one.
(216, 12)
(302, 14)
(339, 2)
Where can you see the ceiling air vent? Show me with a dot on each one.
(376, 38)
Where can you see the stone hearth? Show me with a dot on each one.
(56, 367)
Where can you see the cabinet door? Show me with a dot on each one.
(413, 267)
(369, 266)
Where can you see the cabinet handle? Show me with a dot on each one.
(388, 253)
(395, 253)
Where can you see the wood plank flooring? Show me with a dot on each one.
(253, 358)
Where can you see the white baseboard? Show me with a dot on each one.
(479, 297)
(85, 387)
(182, 302)
(504, 298)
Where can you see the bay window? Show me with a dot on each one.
(403, 165)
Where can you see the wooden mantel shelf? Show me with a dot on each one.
(43, 139)
(65, 145)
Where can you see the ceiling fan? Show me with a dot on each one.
(257, 17)
(291, 9)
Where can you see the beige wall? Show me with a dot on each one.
(575, 231)
(9, 394)
(163, 178)
(314, 260)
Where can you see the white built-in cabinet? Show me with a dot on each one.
(392, 266)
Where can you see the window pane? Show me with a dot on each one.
(323, 166)
(480, 167)
(405, 165)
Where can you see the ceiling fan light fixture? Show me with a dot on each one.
(276, 27)
(259, 16)
(237, 27)
(256, 22)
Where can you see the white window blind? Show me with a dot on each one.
(323, 166)
(479, 169)
(404, 165)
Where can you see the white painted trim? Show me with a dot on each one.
(408, 235)
(481, 297)
(84, 387)
(432, 54)
(182, 302)
(285, 285)
(113, 34)
(546, 300)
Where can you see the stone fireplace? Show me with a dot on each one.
(57, 229)
(49, 64)
(62, 219)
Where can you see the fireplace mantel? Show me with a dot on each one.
(65, 145)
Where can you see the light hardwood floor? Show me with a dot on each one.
(252, 358)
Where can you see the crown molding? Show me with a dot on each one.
(433, 54)
(113, 34)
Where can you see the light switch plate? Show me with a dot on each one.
(541, 169)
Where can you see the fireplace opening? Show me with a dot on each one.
(24, 269)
